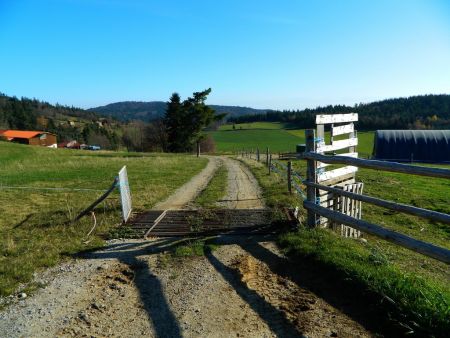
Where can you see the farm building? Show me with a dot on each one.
(35, 138)
(412, 145)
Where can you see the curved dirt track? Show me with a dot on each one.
(135, 288)
(243, 191)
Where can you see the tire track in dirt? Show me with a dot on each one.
(243, 191)
(187, 192)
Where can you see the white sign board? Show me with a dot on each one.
(125, 195)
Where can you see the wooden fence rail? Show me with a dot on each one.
(408, 209)
(317, 161)
(424, 248)
(378, 165)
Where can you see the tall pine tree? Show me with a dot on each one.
(186, 120)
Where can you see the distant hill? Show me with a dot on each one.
(148, 111)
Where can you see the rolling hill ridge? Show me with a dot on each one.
(148, 111)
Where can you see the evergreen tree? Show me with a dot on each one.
(186, 120)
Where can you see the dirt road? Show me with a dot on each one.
(243, 191)
(135, 288)
(187, 192)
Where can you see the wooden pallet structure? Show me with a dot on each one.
(342, 142)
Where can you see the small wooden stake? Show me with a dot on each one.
(270, 163)
(289, 176)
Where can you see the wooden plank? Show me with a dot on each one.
(341, 130)
(353, 154)
(163, 214)
(328, 175)
(336, 118)
(379, 165)
(323, 165)
(340, 181)
(337, 145)
(413, 244)
(407, 209)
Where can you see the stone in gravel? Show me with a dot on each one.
(84, 317)
(22, 295)
(95, 306)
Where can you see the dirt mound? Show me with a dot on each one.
(310, 314)
(112, 294)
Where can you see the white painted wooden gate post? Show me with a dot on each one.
(310, 136)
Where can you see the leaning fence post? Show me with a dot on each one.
(289, 176)
(267, 156)
(310, 136)
(270, 163)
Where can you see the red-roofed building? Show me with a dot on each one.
(35, 138)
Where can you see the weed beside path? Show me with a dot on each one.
(215, 190)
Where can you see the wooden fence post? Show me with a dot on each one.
(267, 156)
(289, 176)
(198, 149)
(257, 154)
(270, 163)
(310, 136)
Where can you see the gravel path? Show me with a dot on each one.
(243, 191)
(134, 288)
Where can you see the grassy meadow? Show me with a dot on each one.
(33, 233)
(416, 285)
(277, 136)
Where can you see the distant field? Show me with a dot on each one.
(273, 135)
(253, 125)
(32, 234)
(234, 140)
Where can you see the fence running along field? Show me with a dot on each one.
(332, 184)
(120, 182)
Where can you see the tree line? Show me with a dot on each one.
(416, 112)
(179, 130)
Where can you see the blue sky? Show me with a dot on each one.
(264, 54)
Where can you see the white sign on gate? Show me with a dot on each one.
(125, 195)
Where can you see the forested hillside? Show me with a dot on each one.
(416, 112)
(150, 111)
(68, 123)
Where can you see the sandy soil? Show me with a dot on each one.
(136, 288)
(243, 191)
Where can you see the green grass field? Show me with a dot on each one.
(274, 135)
(416, 285)
(32, 230)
